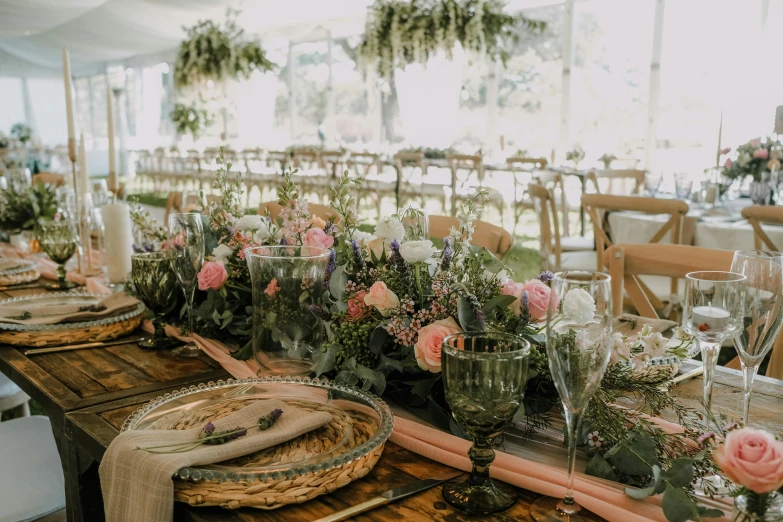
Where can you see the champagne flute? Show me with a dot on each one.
(713, 312)
(762, 317)
(186, 254)
(578, 346)
(484, 377)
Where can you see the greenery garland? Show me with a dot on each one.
(400, 32)
(215, 53)
(190, 118)
(21, 208)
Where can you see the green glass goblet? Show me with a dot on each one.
(58, 241)
(156, 286)
(484, 376)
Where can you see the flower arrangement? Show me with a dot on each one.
(5, 141)
(399, 32)
(216, 53)
(575, 155)
(607, 160)
(650, 349)
(21, 208)
(22, 132)
(753, 158)
(431, 152)
(190, 119)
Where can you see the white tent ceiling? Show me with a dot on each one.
(102, 32)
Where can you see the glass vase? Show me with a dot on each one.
(288, 287)
(755, 507)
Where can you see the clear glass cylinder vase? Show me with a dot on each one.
(288, 288)
(755, 507)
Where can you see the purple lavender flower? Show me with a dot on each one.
(283, 241)
(209, 429)
(230, 230)
(545, 276)
(317, 311)
(331, 265)
(396, 258)
(267, 421)
(358, 259)
(525, 299)
(329, 228)
(448, 253)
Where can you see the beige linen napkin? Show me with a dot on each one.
(8, 264)
(28, 313)
(630, 325)
(137, 485)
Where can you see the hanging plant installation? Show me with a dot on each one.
(190, 119)
(401, 32)
(217, 53)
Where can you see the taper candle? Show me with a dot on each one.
(113, 185)
(68, 94)
(84, 179)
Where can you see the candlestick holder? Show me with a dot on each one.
(77, 203)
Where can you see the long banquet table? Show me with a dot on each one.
(89, 393)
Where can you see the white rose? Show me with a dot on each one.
(417, 251)
(250, 222)
(502, 276)
(362, 237)
(390, 228)
(579, 306)
(222, 253)
(261, 233)
(654, 344)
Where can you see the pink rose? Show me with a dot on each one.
(761, 154)
(316, 237)
(272, 288)
(356, 307)
(726, 150)
(515, 289)
(212, 276)
(537, 297)
(728, 163)
(752, 458)
(381, 297)
(430, 343)
(755, 143)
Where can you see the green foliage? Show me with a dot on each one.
(190, 119)
(20, 209)
(216, 53)
(22, 132)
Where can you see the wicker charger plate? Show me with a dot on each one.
(69, 333)
(299, 470)
(19, 278)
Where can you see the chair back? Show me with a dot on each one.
(486, 235)
(50, 178)
(322, 211)
(549, 230)
(758, 214)
(363, 164)
(180, 201)
(332, 162)
(614, 177)
(467, 171)
(553, 181)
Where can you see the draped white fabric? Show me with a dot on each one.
(98, 32)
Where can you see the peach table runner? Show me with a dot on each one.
(48, 270)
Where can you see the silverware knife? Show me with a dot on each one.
(22, 287)
(389, 496)
(70, 347)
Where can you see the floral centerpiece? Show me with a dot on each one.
(391, 298)
(22, 132)
(21, 208)
(399, 32)
(214, 52)
(190, 119)
(753, 159)
(575, 155)
(607, 160)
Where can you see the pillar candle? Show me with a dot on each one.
(84, 179)
(68, 94)
(113, 185)
(118, 240)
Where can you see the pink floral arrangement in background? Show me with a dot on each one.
(753, 158)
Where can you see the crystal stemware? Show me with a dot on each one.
(186, 253)
(652, 183)
(578, 346)
(484, 377)
(156, 286)
(58, 239)
(713, 312)
(683, 185)
(762, 317)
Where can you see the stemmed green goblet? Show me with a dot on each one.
(156, 286)
(484, 377)
(58, 241)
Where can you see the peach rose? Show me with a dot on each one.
(212, 276)
(317, 222)
(272, 288)
(316, 237)
(537, 295)
(429, 345)
(515, 289)
(752, 458)
(381, 297)
(356, 307)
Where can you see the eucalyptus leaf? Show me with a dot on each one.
(498, 303)
(467, 318)
(599, 467)
(678, 507)
(324, 361)
(680, 473)
(378, 338)
(338, 281)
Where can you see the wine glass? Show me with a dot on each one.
(484, 377)
(186, 253)
(652, 183)
(156, 286)
(578, 346)
(58, 239)
(713, 312)
(762, 317)
(683, 185)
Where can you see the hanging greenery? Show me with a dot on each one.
(22, 132)
(190, 119)
(400, 32)
(215, 52)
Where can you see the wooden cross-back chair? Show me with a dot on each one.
(50, 178)
(180, 201)
(492, 237)
(411, 174)
(614, 175)
(333, 162)
(596, 206)
(629, 262)
(758, 214)
(467, 172)
(322, 211)
(527, 165)
(376, 186)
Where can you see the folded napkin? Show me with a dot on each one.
(28, 313)
(137, 485)
(8, 264)
(630, 325)
(48, 270)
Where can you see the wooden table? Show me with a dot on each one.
(68, 381)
